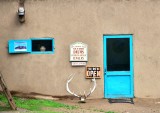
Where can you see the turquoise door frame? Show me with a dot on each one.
(118, 84)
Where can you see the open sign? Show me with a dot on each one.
(93, 72)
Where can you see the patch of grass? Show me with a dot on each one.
(109, 112)
(103, 111)
(5, 108)
(34, 104)
(3, 98)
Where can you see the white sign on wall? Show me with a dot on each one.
(78, 52)
(78, 63)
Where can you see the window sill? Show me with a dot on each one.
(48, 52)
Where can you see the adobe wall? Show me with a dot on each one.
(86, 21)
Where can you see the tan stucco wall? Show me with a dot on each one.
(86, 21)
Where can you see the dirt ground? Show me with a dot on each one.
(101, 105)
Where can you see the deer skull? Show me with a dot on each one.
(82, 97)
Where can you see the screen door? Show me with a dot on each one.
(118, 66)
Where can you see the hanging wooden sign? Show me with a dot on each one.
(93, 72)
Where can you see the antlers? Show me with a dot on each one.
(82, 97)
(67, 85)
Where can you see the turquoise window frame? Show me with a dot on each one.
(43, 52)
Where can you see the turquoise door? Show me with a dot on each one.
(118, 66)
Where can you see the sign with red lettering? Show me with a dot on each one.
(78, 52)
(93, 72)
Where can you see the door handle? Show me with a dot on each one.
(105, 71)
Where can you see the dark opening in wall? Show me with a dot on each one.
(42, 45)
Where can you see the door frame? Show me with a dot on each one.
(131, 72)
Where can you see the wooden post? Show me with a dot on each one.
(7, 93)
